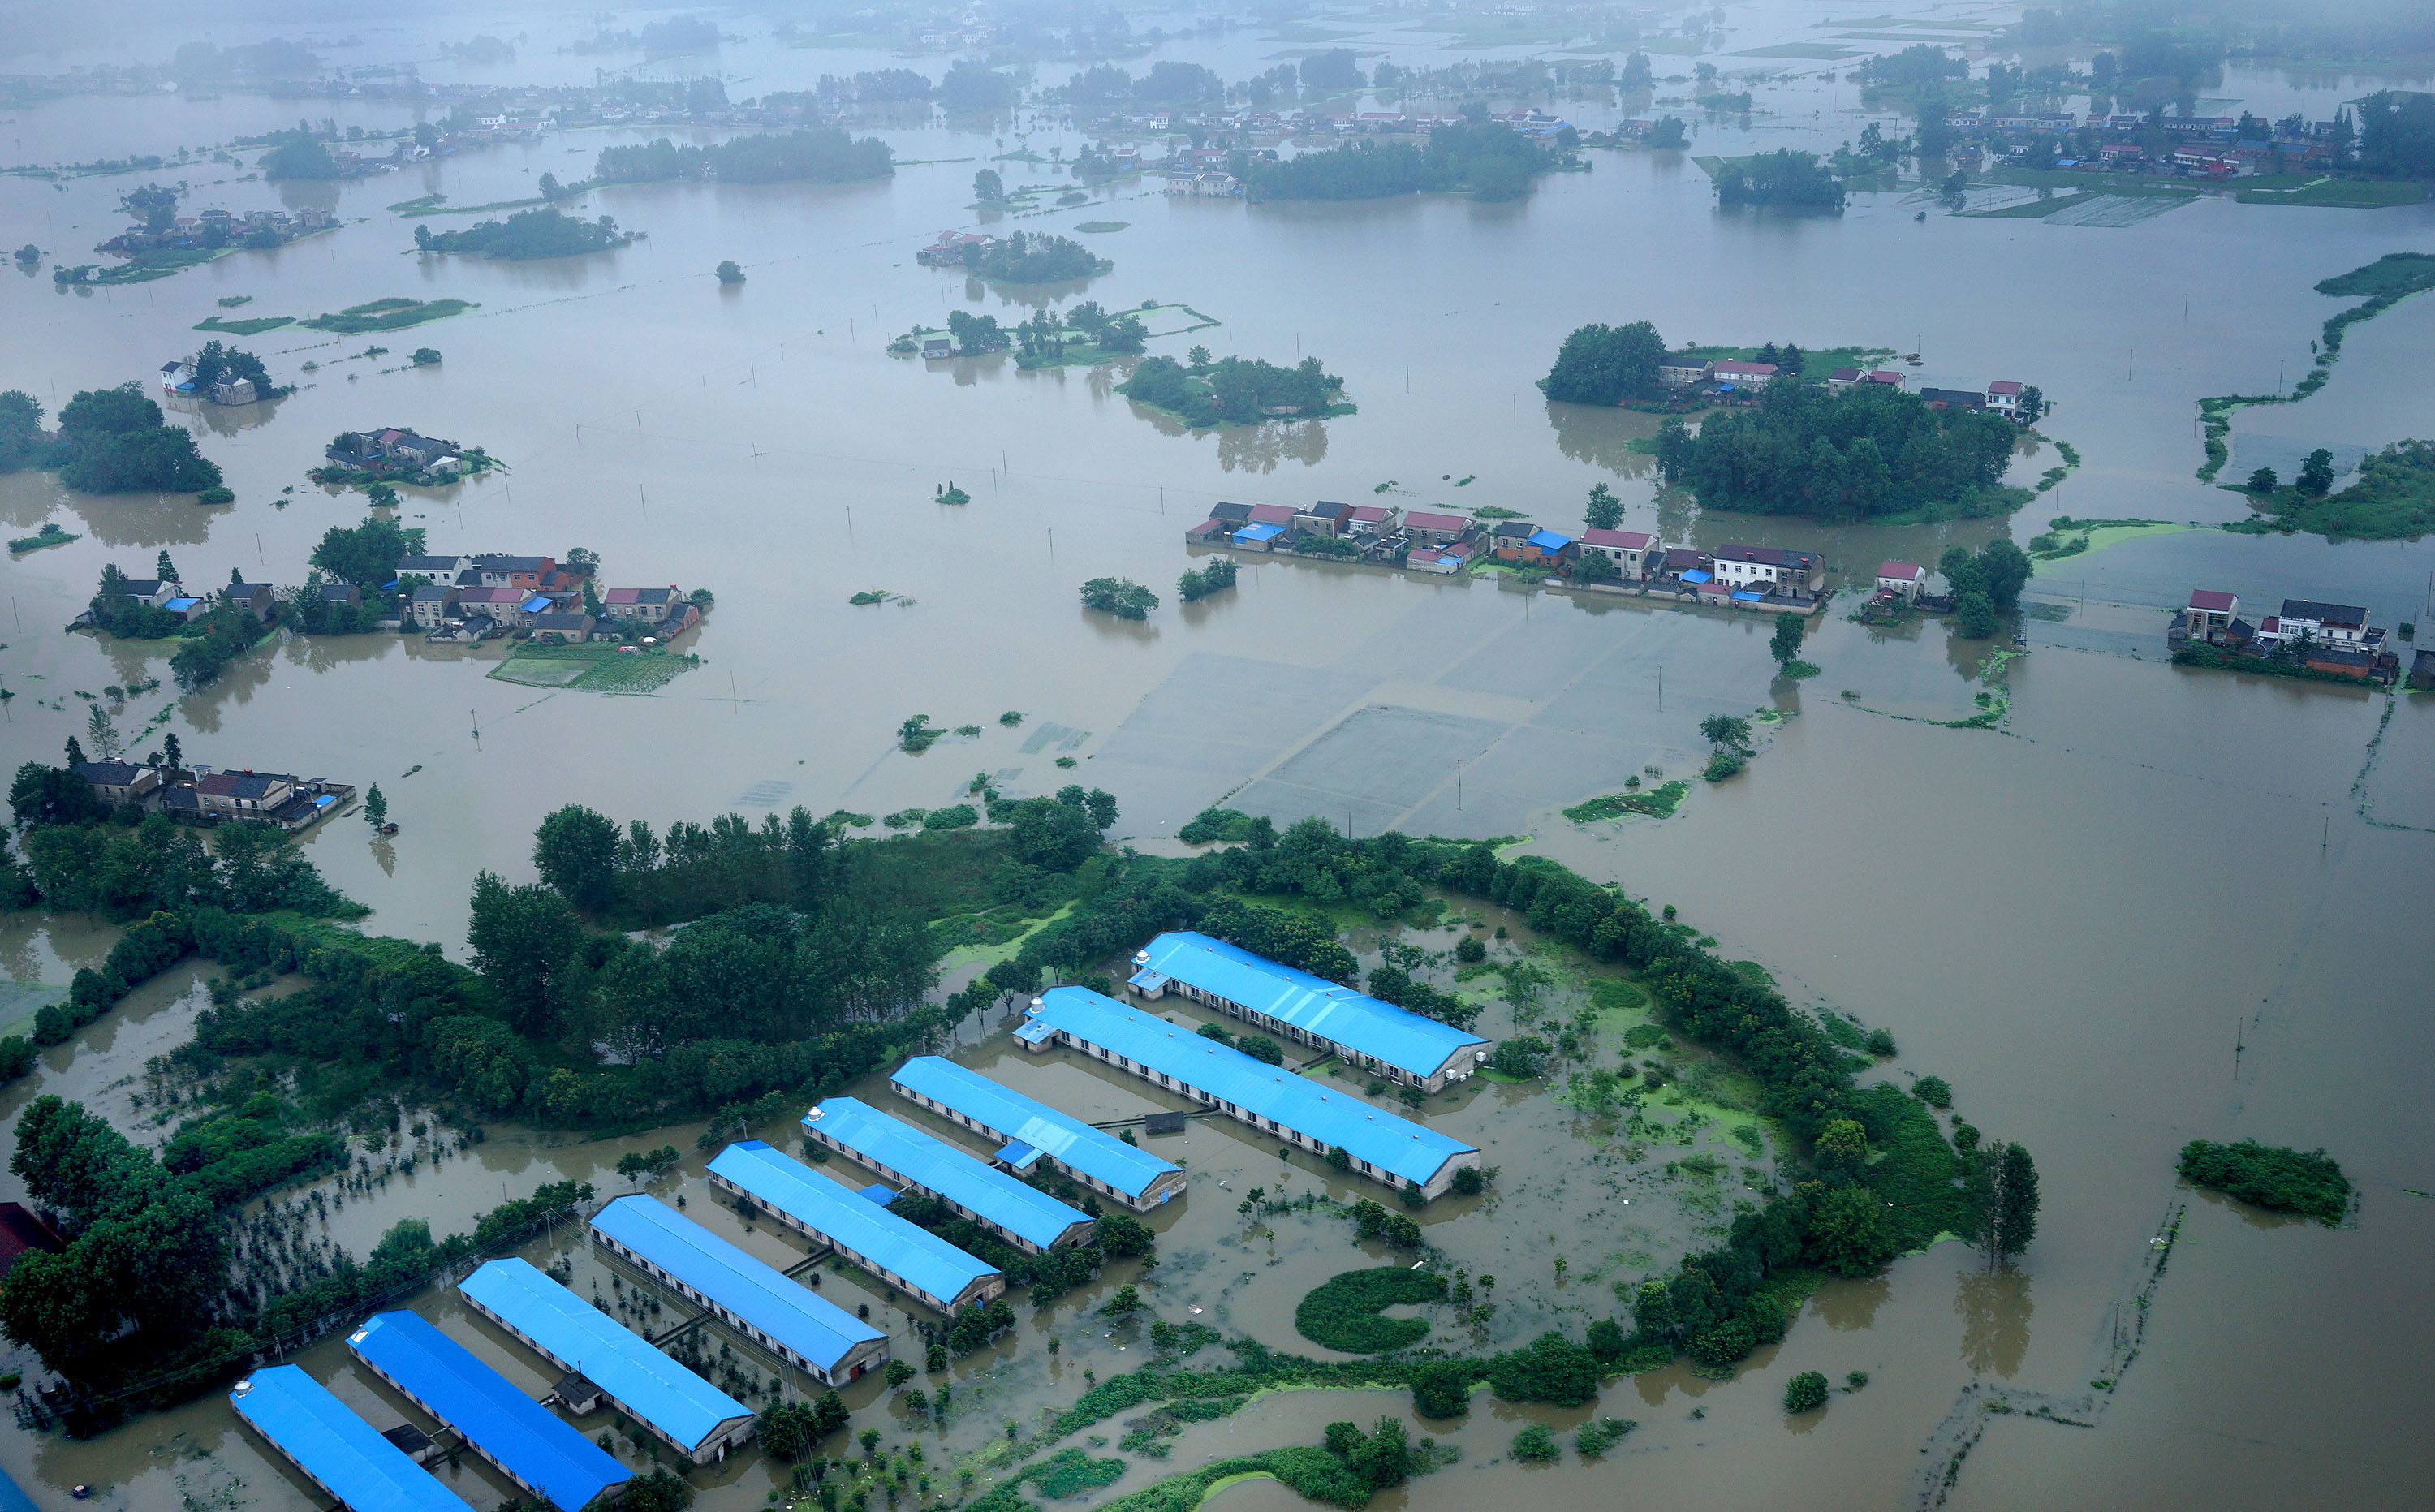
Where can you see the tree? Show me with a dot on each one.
(154, 205)
(1670, 132)
(2316, 473)
(1605, 511)
(730, 273)
(988, 187)
(1636, 74)
(2263, 481)
(1843, 1146)
(54, 795)
(367, 555)
(1607, 365)
(103, 734)
(2003, 1197)
(1197, 356)
(1785, 644)
(1848, 1232)
(1121, 596)
(173, 755)
(1973, 616)
(2032, 405)
(1726, 732)
(521, 940)
(576, 851)
(1806, 1392)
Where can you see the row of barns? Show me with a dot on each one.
(600, 1361)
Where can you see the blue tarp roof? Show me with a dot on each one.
(1747, 596)
(1550, 540)
(1311, 1004)
(788, 1312)
(337, 1449)
(1259, 532)
(445, 1380)
(857, 1221)
(1011, 1116)
(1697, 575)
(579, 1337)
(1397, 1146)
(879, 1192)
(940, 1169)
(12, 1496)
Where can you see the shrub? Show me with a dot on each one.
(2283, 1180)
(1722, 765)
(1469, 1181)
(1470, 948)
(1934, 1091)
(221, 494)
(1806, 1392)
(1602, 1434)
(1343, 1312)
(1880, 1042)
(1442, 1389)
(1551, 1368)
(1534, 1445)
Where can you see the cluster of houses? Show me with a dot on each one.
(1314, 123)
(261, 600)
(395, 455)
(208, 795)
(1733, 378)
(178, 380)
(2334, 638)
(467, 598)
(2198, 146)
(1738, 576)
(222, 228)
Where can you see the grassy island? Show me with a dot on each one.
(826, 155)
(527, 236)
(1236, 390)
(2275, 1177)
(1035, 257)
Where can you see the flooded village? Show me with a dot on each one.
(1211, 916)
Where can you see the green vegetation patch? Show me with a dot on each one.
(386, 315)
(593, 668)
(1658, 803)
(1101, 228)
(2033, 208)
(2391, 498)
(247, 327)
(1214, 824)
(2271, 1176)
(51, 535)
(2324, 193)
(1070, 1472)
(1915, 1168)
(1341, 1312)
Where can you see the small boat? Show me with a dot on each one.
(389, 829)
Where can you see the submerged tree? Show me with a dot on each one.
(2003, 1194)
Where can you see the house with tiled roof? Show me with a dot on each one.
(652, 604)
(1904, 581)
(1627, 549)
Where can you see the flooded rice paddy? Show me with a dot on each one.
(2151, 906)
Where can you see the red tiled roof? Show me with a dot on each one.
(1271, 514)
(1367, 512)
(1624, 540)
(2003, 385)
(1907, 572)
(1745, 370)
(1419, 520)
(2210, 599)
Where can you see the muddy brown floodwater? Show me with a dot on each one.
(2151, 905)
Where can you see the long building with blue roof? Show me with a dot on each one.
(678, 1407)
(529, 1444)
(1379, 1145)
(897, 1250)
(1033, 1133)
(741, 1291)
(339, 1451)
(1021, 1214)
(1395, 1044)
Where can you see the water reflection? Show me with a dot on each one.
(1996, 1311)
(1603, 437)
(141, 519)
(1109, 627)
(222, 420)
(1849, 1305)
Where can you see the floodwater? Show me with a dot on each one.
(2101, 922)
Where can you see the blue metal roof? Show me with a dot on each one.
(1550, 540)
(1395, 1146)
(852, 1219)
(12, 1496)
(791, 1314)
(1313, 1005)
(445, 1380)
(1259, 532)
(1019, 1120)
(337, 1449)
(579, 1337)
(942, 1170)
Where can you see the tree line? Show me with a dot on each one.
(823, 155)
(1493, 162)
(111, 441)
(1869, 450)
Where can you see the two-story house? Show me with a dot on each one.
(1744, 375)
(2209, 616)
(1427, 530)
(1904, 581)
(1627, 549)
(429, 604)
(119, 781)
(244, 794)
(1324, 519)
(653, 605)
(1682, 369)
(495, 571)
(1770, 569)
